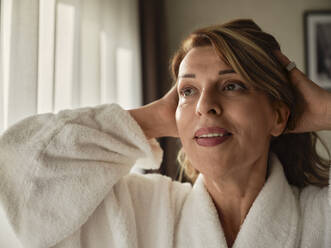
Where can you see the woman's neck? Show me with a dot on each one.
(234, 195)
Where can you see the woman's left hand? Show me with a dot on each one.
(316, 114)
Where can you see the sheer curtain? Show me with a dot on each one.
(58, 54)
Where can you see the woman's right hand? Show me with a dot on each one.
(157, 119)
(168, 105)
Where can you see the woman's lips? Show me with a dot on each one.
(211, 141)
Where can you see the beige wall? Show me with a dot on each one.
(282, 18)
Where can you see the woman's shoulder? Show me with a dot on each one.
(155, 182)
(314, 201)
(314, 208)
(312, 194)
(153, 187)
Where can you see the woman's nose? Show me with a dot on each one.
(208, 104)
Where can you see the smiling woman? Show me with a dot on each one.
(229, 106)
(246, 55)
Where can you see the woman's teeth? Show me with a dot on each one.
(212, 135)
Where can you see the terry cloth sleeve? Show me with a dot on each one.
(55, 169)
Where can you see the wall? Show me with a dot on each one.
(282, 18)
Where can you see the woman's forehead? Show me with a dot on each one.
(202, 58)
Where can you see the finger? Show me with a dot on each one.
(282, 58)
(172, 94)
(174, 91)
(295, 73)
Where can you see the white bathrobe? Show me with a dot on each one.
(65, 183)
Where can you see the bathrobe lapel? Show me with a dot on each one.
(272, 221)
(199, 224)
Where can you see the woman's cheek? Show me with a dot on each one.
(183, 109)
(178, 115)
(183, 116)
(179, 109)
(185, 103)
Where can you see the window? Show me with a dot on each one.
(59, 54)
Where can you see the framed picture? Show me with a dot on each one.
(317, 27)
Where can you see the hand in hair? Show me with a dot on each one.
(168, 111)
(316, 115)
(157, 119)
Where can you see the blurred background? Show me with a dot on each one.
(58, 54)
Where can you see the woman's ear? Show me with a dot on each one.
(282, 113)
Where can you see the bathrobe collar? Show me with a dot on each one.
(272, 220)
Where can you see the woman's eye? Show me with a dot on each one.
(187, 92)
(234, 86)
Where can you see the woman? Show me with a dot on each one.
(65, 178)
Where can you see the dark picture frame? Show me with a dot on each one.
(317, 32)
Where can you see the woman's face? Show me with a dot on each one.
(216, 101)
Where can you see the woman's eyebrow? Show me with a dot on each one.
(191, 75)
(226, 71)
